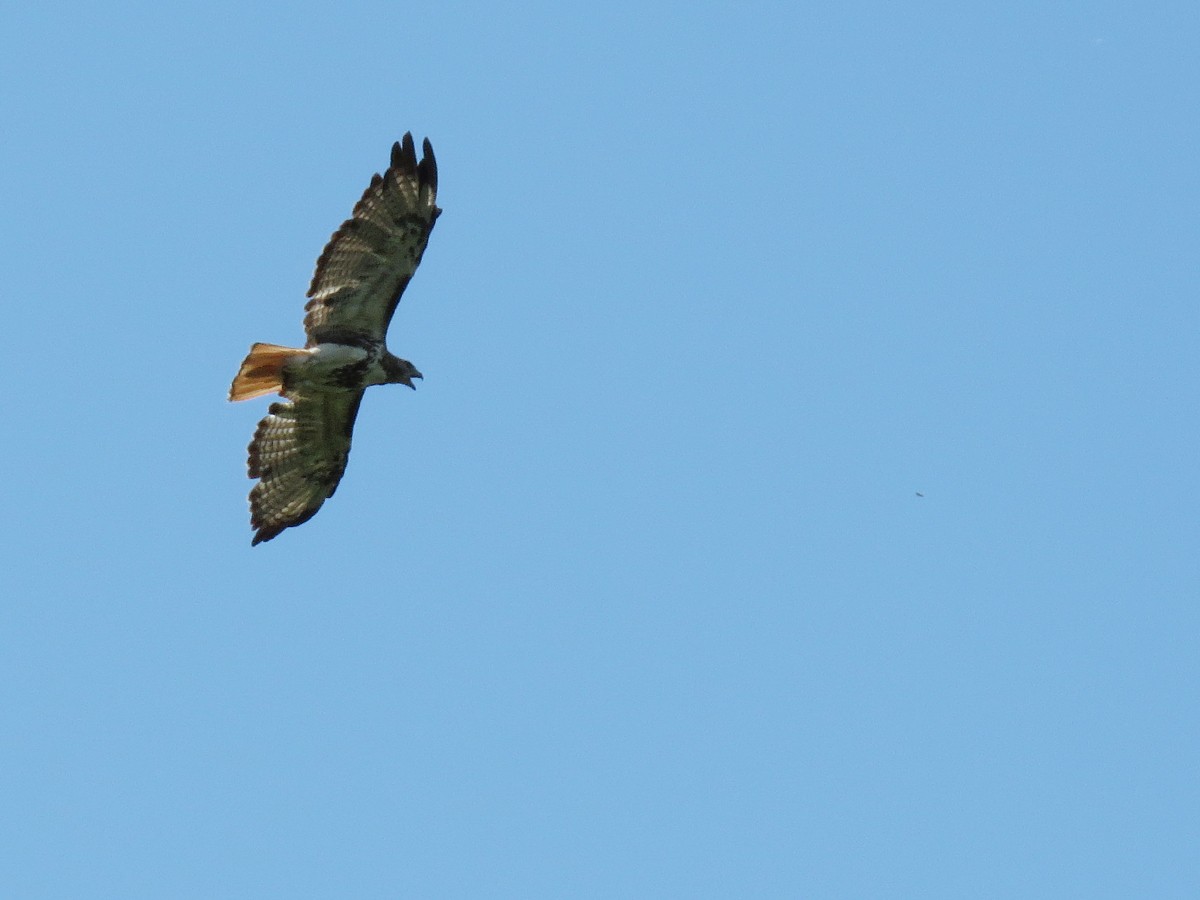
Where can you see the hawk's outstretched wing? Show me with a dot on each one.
(299, 452)
(369, 260)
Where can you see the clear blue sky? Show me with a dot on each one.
(635, 596)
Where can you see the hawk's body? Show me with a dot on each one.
(300, 449)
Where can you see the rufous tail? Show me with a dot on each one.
(261, 371)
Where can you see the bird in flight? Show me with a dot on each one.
(299, 450)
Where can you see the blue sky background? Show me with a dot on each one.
(635, 596)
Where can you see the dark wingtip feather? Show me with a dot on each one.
(404, 154)
(264, 532)
(427, 170)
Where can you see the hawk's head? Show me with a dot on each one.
(400, 371)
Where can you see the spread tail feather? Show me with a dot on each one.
(262, 371)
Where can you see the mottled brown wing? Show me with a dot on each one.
(299, 453)
(367, 263)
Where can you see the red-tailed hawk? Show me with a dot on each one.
(300, 449)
